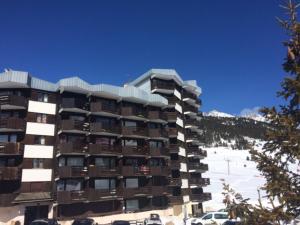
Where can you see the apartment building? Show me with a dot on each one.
(71, 149)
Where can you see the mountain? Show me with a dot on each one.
(222, 129)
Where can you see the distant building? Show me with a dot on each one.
(73, 149)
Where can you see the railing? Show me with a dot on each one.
(156, 115)
(173, 100)
(10, 173)
(104, 107)
(202, 197)
(159, 171)
(65, 197)
(138, 131)
(133, 111)
(72, 147)
(172, 131)
(198, 166)
(72, 124)
(157, 133)
(12, 123)
(189, 95)
(69, 171)
(95, 149)
(159, 190)
(74, 103)
(157, 84)
(13, 100)
(159, 152)
(97, 171)
(174, 148)
(99, 127)
(135, 170)
(199, 181)
(175, 164)
(171, 116)
(187, 108)
(11, 148)
(94, 194)
(196, 151)
(175, 200)
(192, 136)
(132, 150)
(131, 192)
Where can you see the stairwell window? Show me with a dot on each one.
(41, 118)
(42, 97)
(37, 163)
(40, 140)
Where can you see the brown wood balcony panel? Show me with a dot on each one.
(12, 123)
(12, 101)
(10, 173)
(98, 149)
(72, 147)
(67, 197)
(69, 172)
(10, 148)
(97, 171)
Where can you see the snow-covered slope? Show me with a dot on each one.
(232, 167)
(216, 113)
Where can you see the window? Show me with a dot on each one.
(41, 118)
(105, 162)
(42, 97)
(129, 123)
(73, 185)
(105, 141)
(131, 183)
(38, 163)
(74, 161)
(40, 140)
(128, 142)
(132, 205)
(155, 144)
(207, 217)
(4, 138)
(156, 162)
(13, 138)
(154, 125)
(220, 216)
(105, 184)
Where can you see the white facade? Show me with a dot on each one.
(38, 151)
(41, 107)
(40, 129)
(36, 175)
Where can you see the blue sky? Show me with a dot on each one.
(233, 48)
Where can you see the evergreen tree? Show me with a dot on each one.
(281, 153)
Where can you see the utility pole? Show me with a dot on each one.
(228, 166)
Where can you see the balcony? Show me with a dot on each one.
(190, 110)
(199, 181)
(195, 151)
(157, 133)
(12, 124)
(172, 131)
(175, 182)
(163, 86)
(200, 197)
(159, 190)
(103, 149)
(98, 195)
(11, 102)
(72, 148)
(67, 197)
(171, 116)
(72, 172)
(175, 200)
(135, 171)
(9, 148)
(7, 199)
(198, 167)
(160, 171)
(134, 192)
(159, 152)
(104, 109)
(74, 126)
(98, 171)
(137, 132)
(103, 129)
(157, 116)
(191, 123)
(10, 173)
(135, 151)
(192, 137)
(133, 112)
(75, 105)
(175, 164)
(174, 148)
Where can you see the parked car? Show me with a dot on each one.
(154, 219)
(85, 221)
(120, 222)
(231, 222)
(217, 218)
(44, 222)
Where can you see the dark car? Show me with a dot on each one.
(120, 222)
(85, 221)
(44, 222)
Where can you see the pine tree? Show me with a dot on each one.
(281, 153)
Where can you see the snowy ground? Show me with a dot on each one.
(242, 175)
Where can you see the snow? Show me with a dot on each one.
(242, 176)
(216, 113)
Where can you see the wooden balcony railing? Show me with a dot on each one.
(195, 150)
(133, 111)
(98, 127)
(200, 197)
(104, 107)
(12, 123)
(158, 84)
(159, 171)
(156, 152)
(98, 149)
(72, 147)
(10, 148)
(171, 116)
(131, 192)
(175, 182)
(95, 195)
(135, 131)
(135, 170)
(12, 101)
(98, 171)
(133, 150)
(157, 133)
(172, 131)
(198, 166)
(156, 115)
(74, 125)
(176, 200)
(69, 172)
(67, 197)
(74, 103)
(10, 173)
(199, 181)
(175, 164)
(174, 148)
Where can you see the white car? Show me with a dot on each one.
(212, 218)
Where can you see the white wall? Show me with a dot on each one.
(177, 94)
(38, 151)
(41, 107)
(182, 152)
(35, 175)
(186, 198)
(40, 129)
(183, 167)
(179, 122)
(178, 107)
(180, 136)
(184, 183)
